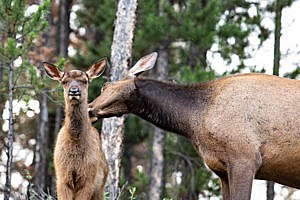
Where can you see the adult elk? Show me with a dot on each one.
(80, 165)
(243, 126)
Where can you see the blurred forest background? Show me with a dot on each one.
(75, 34)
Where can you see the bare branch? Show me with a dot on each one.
(24, 87)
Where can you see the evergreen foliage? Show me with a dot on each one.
(19, 29)
(187, 29)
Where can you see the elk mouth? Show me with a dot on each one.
(107, 112)
(74, 96)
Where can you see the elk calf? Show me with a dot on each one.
(243, 126)
(80, 165)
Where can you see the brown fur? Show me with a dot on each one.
(243, 126)
(80, 165)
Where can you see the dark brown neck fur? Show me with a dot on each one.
(169, 106)
(76, 120)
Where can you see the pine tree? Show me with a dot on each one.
(279, 5)
(18, 30)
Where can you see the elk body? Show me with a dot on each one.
(243, 126)
(80, 165)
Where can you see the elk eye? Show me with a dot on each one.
(64, 82)
(84, 81)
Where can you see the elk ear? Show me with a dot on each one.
(97, 69)
(53, 72)
(145, 63)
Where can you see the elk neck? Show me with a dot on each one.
(169, 106)
(76, 119)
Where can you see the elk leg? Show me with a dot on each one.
(98, 195)
(100, 186)
(85, 193)
(241, 175)
(64, 192)
(99, 192)
(224, 185)
(225, 188)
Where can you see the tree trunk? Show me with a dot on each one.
(127, 155)
(197, 55)
(41, 145)
(62, 43)
(64, 27)
(113, 128)
(277, 55)
(158, 143)
(9, 164)
(270, 190)
(1, 62)
(1, 72)
(40, 158)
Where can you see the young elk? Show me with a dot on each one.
(80, 165)
(243, 126)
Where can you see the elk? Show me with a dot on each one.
(243, 126)
(80, 165)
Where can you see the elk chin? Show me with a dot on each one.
(111, 112)
(74, 99)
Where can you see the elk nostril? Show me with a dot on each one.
(74, 90)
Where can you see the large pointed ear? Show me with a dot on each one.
(53, 72)
(97, 69)
(145, 63)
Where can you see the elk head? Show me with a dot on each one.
(75, 82)
(115, 96)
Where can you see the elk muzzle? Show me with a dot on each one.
(74, 93)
